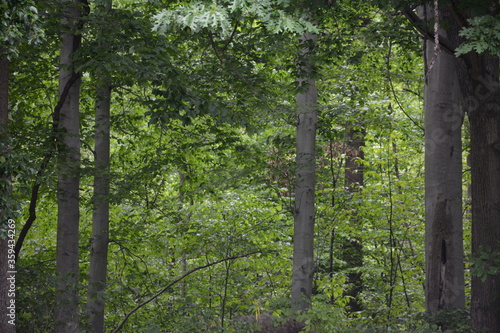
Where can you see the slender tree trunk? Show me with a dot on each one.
(352, 249)
(303, 240)
(7, 293)
(100, 224)
(443, 182)
(67, 255)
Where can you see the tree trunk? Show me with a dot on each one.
(100, 224)
(7, 262)
(443, 182)
(352, 248)
(303, 240)
(478, 77)
(482, 99)
(67, 255)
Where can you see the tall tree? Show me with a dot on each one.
(352, 248)
(304, 214)
(6, 320)
(443, 175)
(478, 74)
(100, 225)
(67, 252)
(478, 77)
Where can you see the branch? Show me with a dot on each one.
(389, 79)
(231, 37)
(152, 298)
(45, 162)
(419, 24)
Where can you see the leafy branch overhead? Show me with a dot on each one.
(482, 36)
(218, 17)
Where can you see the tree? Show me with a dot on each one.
(305, 173)
(352, 248)
(18, 25)
(443, 176)
(100, 225)
(68, 203)
(7, 322)
(478, 77)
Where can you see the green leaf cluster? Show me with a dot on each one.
(482, 36)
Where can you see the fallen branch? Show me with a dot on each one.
(152, 298)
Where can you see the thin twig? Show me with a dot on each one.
(152, 298)
(389, 78)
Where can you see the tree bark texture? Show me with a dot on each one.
(100, 223)
(481, 92)
(304, 215)
(352, 248)
(478, 75)
(67, 253)
(443, 183)
(6, 293)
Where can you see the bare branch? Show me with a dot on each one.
(152, 298)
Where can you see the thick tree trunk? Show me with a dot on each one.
(7, 265)
(100, 225)
(443, 183)
(67, 254)
(481, 90)
(304, 215)
(478, 76)
(352, 248)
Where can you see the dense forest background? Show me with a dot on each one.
(250, 166)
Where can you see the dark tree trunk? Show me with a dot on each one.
(481, 91)
(7, 262)
(478, 76)
(352, 248)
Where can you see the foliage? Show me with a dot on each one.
(218, 16)
(485, 262)
(18, 23)
(202, 133)
(482, 36)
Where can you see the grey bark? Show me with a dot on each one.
(443, 183)
(478, 77)
(67, 253)
(304, 215)
(100, 224)
(100, 217)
